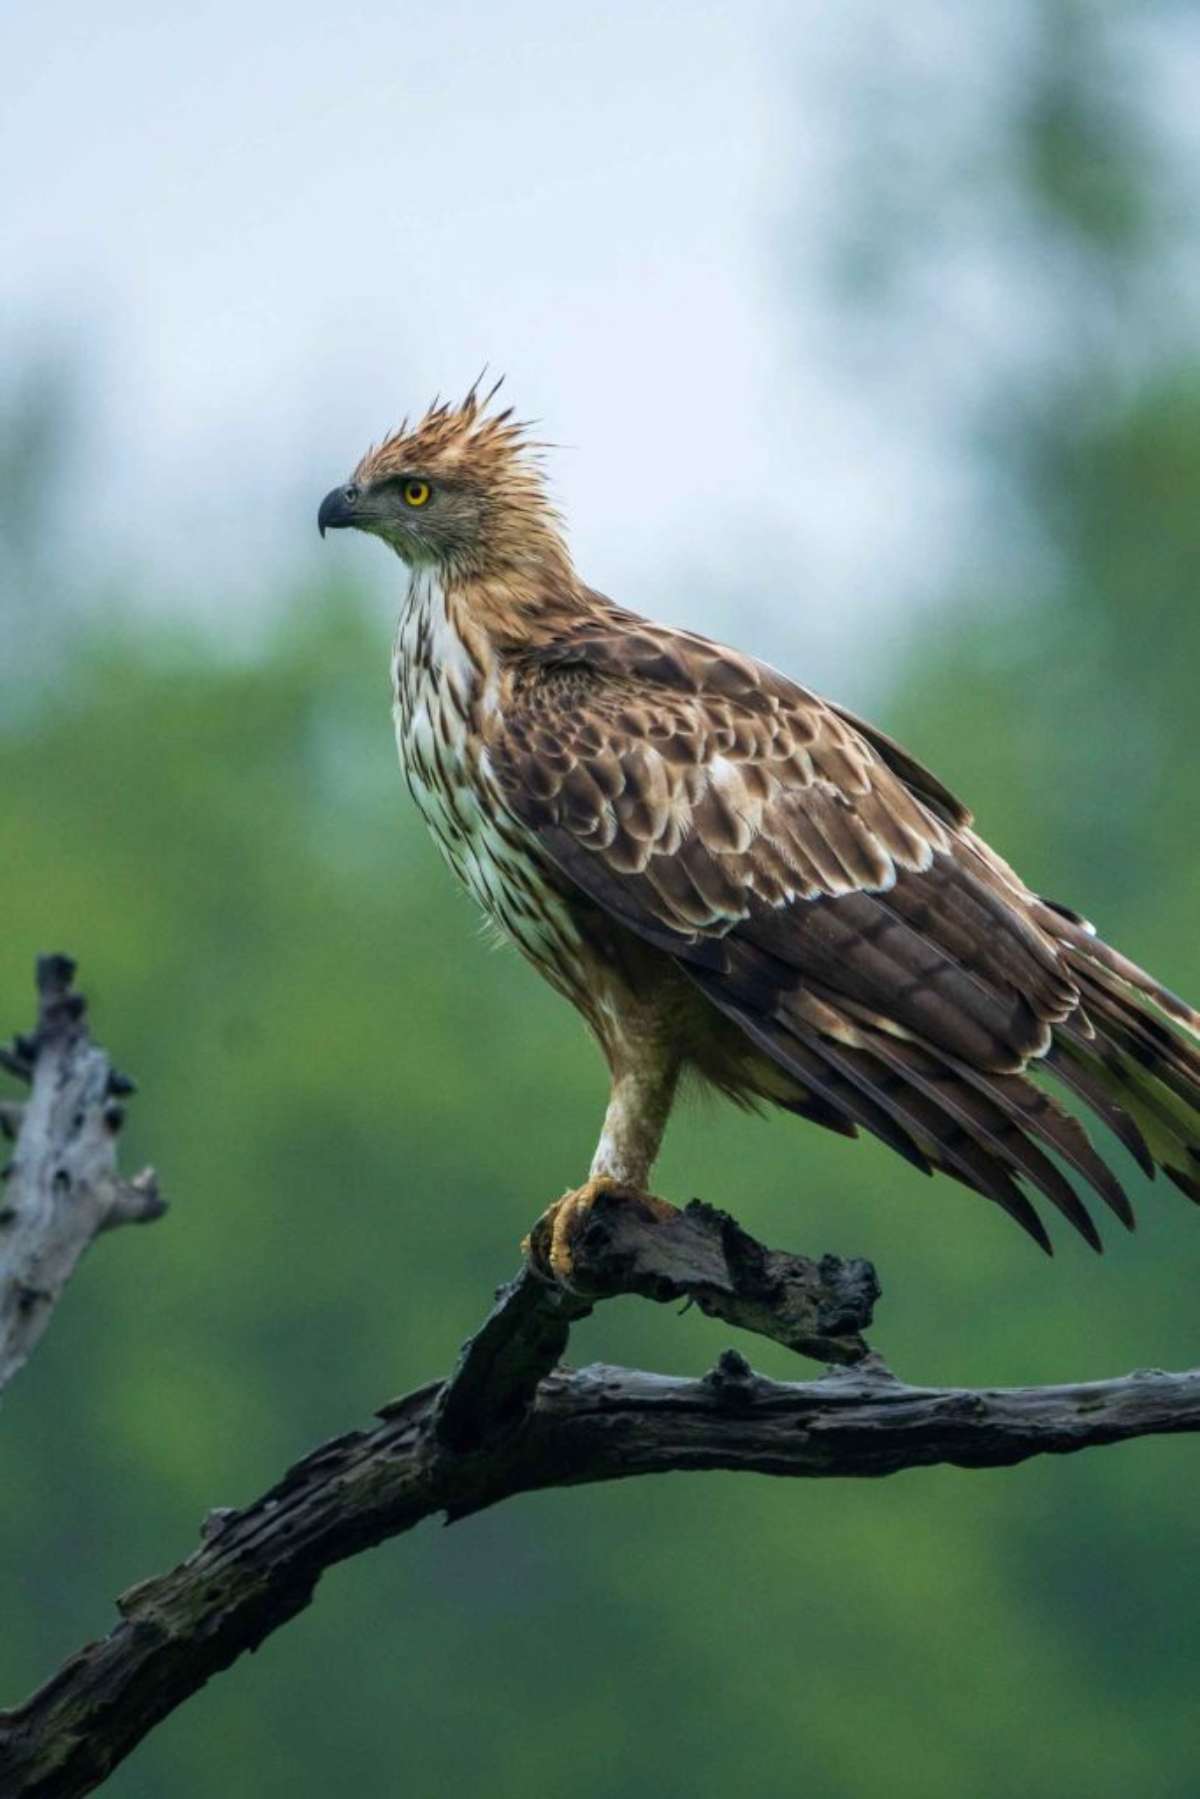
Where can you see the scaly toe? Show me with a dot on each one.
(551, 1243)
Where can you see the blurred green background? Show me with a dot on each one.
(357, 1106)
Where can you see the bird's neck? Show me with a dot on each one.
(506, 610)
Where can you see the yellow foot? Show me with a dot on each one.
(552, 1242)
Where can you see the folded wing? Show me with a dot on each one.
(826, 892)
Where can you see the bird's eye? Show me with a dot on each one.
(415, 492)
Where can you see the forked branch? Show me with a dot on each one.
(511, 1420)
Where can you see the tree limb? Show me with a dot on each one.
(256, 1568)
(61, 1188)
(510, 1419)
(700, 1255)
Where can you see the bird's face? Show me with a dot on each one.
(427, 515)
(460, 491)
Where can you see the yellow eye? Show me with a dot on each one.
(416, 492)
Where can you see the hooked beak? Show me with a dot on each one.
(337, 510)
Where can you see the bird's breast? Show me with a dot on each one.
(442, 691)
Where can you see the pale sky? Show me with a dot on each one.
(273, 229)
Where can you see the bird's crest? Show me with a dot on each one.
(490, 448)
(492, 456)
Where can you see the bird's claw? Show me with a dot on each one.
(554, 1239)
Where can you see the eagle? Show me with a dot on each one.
(736, 880)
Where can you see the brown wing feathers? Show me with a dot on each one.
(978, 1125)
(825, 892)
(879, 1092)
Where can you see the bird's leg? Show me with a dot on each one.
(643, 1086)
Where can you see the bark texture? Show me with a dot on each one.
(510, 1419)
(257, 1567)
(61, 1189)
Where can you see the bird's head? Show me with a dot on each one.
(461, 490)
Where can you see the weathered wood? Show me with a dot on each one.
(61, 1189)
(817, 1308)
(257, 1567)
(509, 1420)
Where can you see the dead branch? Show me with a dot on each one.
(258, 1567)
(511, 1419)
(61, 1189)
(701, 1255)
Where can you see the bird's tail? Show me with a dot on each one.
(1001, 1132)
(1123, 1059)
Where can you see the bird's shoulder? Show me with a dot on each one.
(618, 699)
(747, 826)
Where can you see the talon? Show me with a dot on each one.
(551, 1243)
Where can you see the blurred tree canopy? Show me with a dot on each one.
(357, 1105)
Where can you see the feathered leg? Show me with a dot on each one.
(644, 1076)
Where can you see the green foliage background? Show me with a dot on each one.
(357, 1106)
